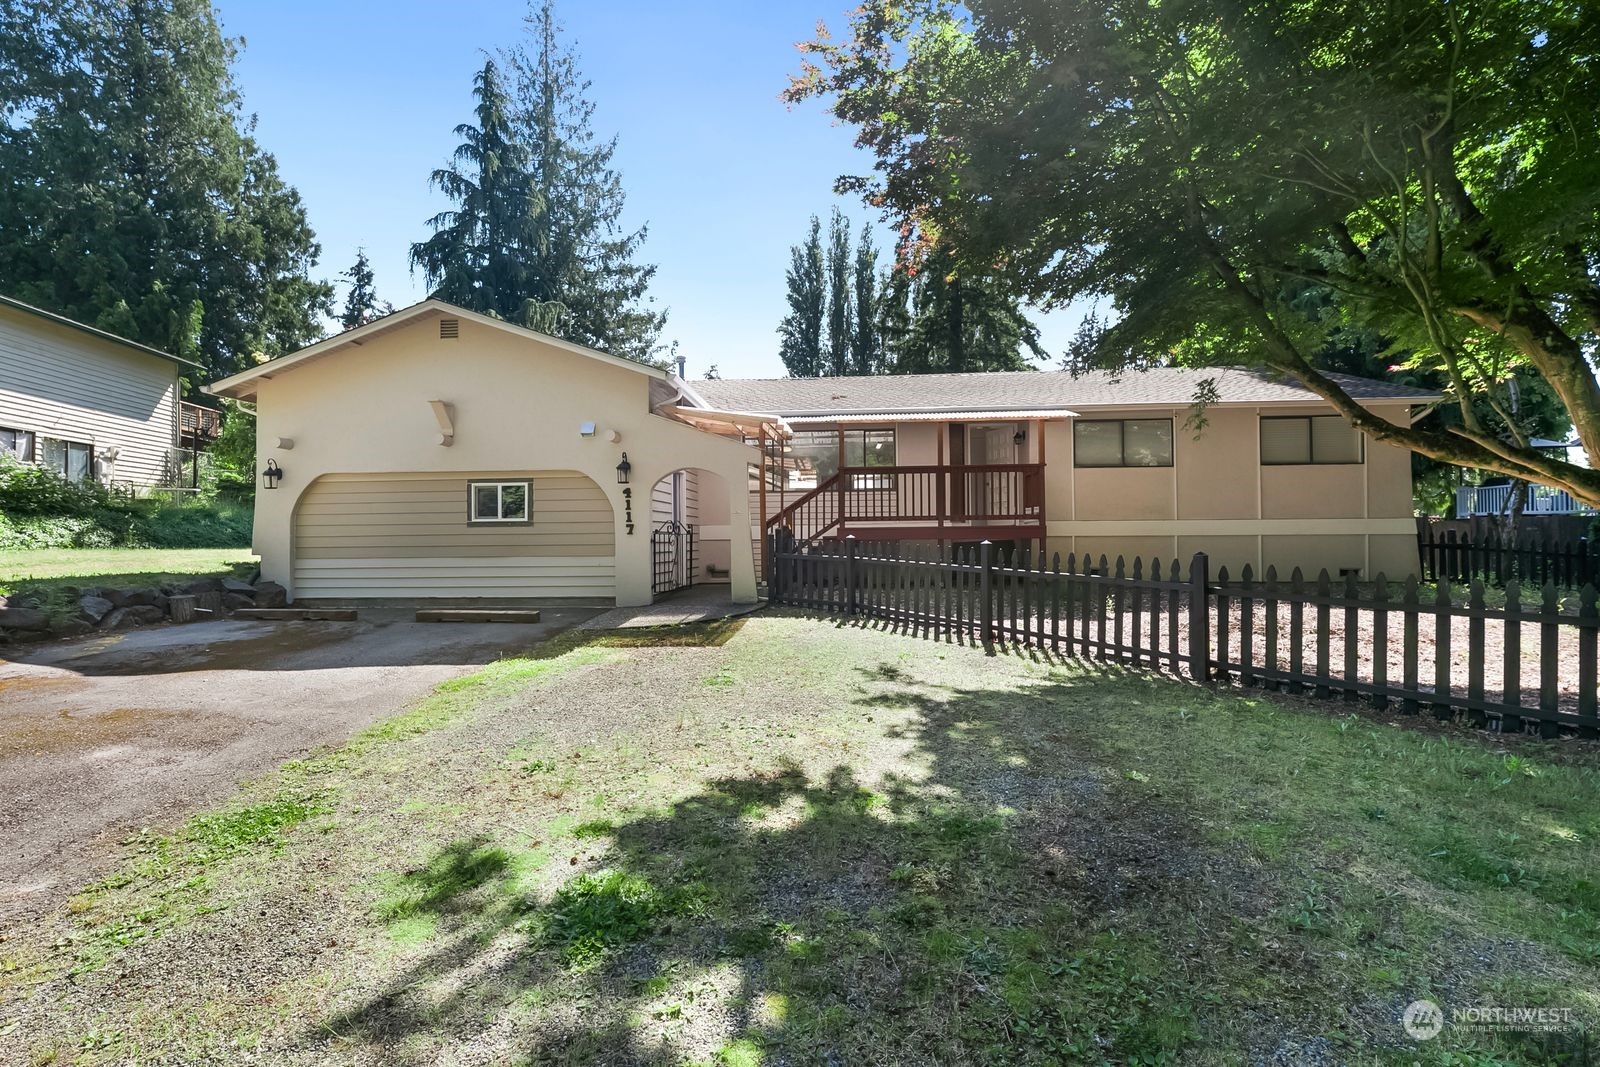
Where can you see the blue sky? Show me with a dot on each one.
(357, 100)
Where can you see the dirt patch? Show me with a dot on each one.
(89, 733)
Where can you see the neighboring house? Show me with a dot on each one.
(1101, 463)
(84, 402)
(436, 452)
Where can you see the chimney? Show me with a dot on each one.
(683, 364)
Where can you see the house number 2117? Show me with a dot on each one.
(627, 509)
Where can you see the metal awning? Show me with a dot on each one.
(729, 423)
(1002, 415)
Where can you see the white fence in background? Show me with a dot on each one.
(1496, 500)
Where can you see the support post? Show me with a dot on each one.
(985, 603)
(1199, 619)
(850, 574)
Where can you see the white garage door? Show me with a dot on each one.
(415, 535)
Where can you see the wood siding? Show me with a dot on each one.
(61, 383)
(407, 535)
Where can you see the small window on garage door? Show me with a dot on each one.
(498, 502)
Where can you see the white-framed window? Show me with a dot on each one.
(498, 502)
(18, 444)
(1290, 440)
(73, 460)
(1122, 443)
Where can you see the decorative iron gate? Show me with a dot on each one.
(672, 552)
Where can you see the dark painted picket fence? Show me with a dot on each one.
(1531, 559)
(1504, 665)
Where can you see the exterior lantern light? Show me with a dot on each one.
(270, 474)
(1019, 437)
(622, 470)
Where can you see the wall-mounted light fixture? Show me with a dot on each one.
(270, 474)
(1020, 437)
(622, 470)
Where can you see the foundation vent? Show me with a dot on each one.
(449, 329)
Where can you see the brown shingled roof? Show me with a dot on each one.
(1008, 390)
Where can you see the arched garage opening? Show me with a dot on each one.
(690, 534)
(460, 536)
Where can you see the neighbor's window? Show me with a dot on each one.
(1122, 443)
(1298, 439)
(73, 460)
(17, 444)
(497, 501)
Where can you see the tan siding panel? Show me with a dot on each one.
(408, 535)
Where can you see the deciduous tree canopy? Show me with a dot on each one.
(1434, 167)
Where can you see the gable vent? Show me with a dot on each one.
(449, 329)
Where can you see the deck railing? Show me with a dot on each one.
(198, 425)
(917, 497)
(1496, 500)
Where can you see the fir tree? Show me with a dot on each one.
(801, 330)
(361, 303)
(581, 259)
(135, 197)
(958, 323)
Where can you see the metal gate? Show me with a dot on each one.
(672, 554)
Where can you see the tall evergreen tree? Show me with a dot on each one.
(582, 259)
(133, 194)
(839, 308)
(480, 253)
(800, 346)
(865, 356)
(361, 303)
(958, 323)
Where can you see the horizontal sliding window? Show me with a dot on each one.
(18, 444)
(811, 457)
(1288, 440)
(498, 501)
(73, 460)
(1122, 443)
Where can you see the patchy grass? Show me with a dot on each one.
(53, 575)
(793, 842)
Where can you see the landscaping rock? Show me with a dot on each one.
(202, 585)
(72, 628)
(142, 598)
(234, 585)
(118, 597)
(235, 601)
(271, 595)
(21, 618)
(134, 615)
(93, 608)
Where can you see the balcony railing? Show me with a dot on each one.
(920, 502)
(198, 426)
(1496, 500)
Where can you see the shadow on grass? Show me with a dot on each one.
(1012, 895)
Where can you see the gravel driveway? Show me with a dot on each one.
(106, 735)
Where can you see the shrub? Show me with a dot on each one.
(41, 509)
(29, 490)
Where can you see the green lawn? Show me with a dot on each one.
(788, 842)
(48, 572)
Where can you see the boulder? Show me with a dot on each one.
(118, 597)
(271, 595)
(72, 628)
(202, 585)
(93, 608)
(132, 598)
(133, 615)
(235, 601)
(21, 618)
(234, 585)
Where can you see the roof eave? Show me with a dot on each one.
(95, 331)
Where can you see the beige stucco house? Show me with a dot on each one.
(440, 453)
(84, 402)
